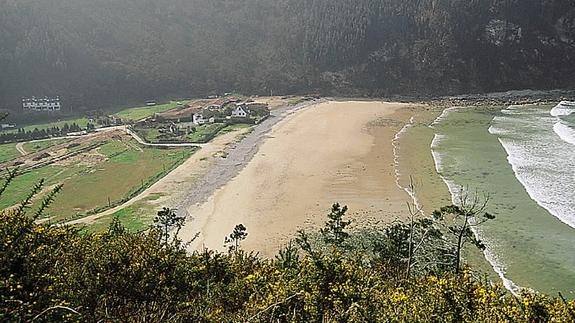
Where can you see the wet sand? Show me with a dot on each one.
(331, 152)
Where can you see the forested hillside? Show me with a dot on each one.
(97, 53)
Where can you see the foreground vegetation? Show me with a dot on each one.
(50, 273)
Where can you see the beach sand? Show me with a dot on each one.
(330, 152)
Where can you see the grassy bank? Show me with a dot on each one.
(8, 152)
(81, 122)
(135, 218)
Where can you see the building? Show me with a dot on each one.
(41, 104)
(240, 111)
(214, 107)
(7, 126)
(201, 118)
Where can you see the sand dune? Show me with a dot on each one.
(331, 152)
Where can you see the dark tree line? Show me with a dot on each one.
(102, 53)
(27, 135)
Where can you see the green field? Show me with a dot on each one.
(32, 147)
(202, 134)
(139, 113)
(136, 217)
(149, 134)
(89, 186)
(205, 133)
(233, 127)
(8, 152)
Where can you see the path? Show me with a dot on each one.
(20, 148)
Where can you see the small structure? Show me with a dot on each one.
(214, 107)
(5, 126)
(202, 117)
(240, 111)
(45, 104)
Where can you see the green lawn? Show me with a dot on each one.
(149, 134)
(22, 185)
(8, 152)
(205, 133)
(90, 185)
(233, 127)
(139, 113)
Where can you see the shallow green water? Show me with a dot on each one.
(526, 244)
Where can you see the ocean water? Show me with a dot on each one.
(523, 158)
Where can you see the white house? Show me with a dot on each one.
(45, 104)
(239, 112)
(199, 119)
(5, 126)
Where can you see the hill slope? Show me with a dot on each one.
(101, 52)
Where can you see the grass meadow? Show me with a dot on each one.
(8, 152)
(104, 177)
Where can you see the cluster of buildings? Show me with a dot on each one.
(42, 104)
(237, 110)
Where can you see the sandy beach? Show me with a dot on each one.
(330, 152)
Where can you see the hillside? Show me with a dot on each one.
(100, 53)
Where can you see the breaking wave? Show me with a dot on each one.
(540, 151)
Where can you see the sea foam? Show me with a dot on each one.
(444, 114)
(396, 148)
(564, 108)
(565, 132)
(541, 155)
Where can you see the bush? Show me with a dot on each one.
(56, 273)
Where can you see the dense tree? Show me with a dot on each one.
(99, 53)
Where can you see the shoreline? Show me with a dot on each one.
(488, 255)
